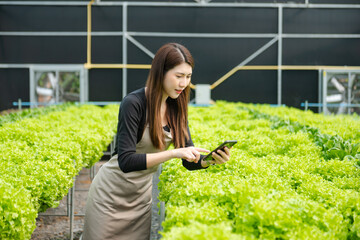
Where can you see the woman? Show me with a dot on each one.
(119, 200)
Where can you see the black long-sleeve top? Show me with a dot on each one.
(131, 124)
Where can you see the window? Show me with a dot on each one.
(57, 84)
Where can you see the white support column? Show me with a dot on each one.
(350, 81)
(202, 94)
(324, 86)
(320, 86)
(32, 86)
(124, 49)
(84, 85)
(279, 71)
(56, 87)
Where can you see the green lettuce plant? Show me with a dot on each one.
(275, 186)
(40, 156)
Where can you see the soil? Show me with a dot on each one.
(58, 227)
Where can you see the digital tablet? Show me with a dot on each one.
(228, 143)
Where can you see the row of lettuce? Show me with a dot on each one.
(41, 151)
(17, 115)
(280, 183)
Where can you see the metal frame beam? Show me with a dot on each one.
(306, 4)
(140, 46)
(172, 34)
(243, 63)
(129, 35)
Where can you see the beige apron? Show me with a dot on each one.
(119, 204)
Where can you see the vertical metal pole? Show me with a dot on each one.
(72, 212)
(92, 172)
(306, 105)
(320, 89)
(19, 104)
(68, 199)
(279, 72)
(72, 196)
(324, 91)
(82, 85)
(349, 92)
(124, 49)
(89, 32)
(86, 85)
(57, 76)
(32, 86)
(162, 214)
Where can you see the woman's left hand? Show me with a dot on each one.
(220, 156)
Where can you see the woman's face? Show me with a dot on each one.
(176, 80)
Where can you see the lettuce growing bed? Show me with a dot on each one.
(40, 153)
(292, 175)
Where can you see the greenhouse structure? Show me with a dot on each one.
(279, 78)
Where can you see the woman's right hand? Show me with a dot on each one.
(190, 154)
